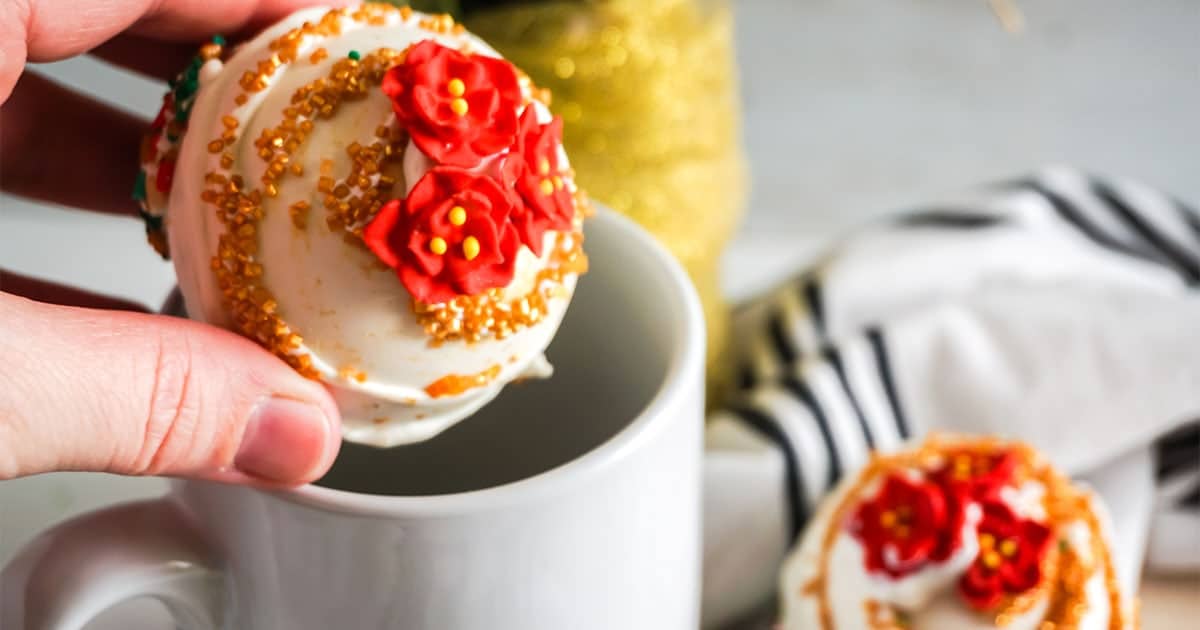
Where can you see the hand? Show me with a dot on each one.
(86, 381)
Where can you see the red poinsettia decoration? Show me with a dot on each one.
(978, 475)
(165, 174)
(450, 236)
(907, 525)
(533, 170)
(1011, 549)
(149, 149)
(458, 108)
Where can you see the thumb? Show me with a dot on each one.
(135, 394)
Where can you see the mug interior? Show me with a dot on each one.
(611, 356)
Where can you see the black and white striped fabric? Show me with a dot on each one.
(1062, 309)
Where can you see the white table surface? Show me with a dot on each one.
(853, 108)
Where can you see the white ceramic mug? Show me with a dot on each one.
(572, 503)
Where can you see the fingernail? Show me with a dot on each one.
(285, 441)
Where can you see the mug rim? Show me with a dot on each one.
(688, 358)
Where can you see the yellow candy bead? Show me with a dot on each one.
(459, 106)
(458, 215)
(544, 166)
(470, 247)
(547, 187)
(437, 245)
(456, 87)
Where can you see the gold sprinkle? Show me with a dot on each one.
(210, 51)
(456, 87)
(437, 245)
(458, 215)
(459, 106)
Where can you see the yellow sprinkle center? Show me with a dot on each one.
(962, 467)
(987, 541)
(437, 245)
(887, 519)
(991, 560)
(456, 87)
(558, 183)
(459, 106)
(470, 247)
(547, 187)
(544, 166)
(458, 215)
(1008, 548)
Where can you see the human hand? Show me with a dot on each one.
(87, 382)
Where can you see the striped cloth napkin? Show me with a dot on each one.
(1061, 309)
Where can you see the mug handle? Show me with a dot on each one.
(74, 571)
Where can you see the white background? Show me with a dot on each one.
(853, 108)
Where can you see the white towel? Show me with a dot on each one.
(1061, 309)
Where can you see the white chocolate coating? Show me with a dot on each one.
(350, 312)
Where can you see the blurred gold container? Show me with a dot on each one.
(648, 93)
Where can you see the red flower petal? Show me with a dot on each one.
(377, 233)
(982, 590)
(426, 288)
(166, 173)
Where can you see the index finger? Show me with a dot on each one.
(49, 30)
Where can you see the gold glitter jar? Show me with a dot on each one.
(648, 93)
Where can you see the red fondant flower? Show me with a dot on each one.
(166, 173)
(977, 475)
(908, 524)
(450, 236)
(149, 148)
(1011, 549)
(532, 169)
(458, 108)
